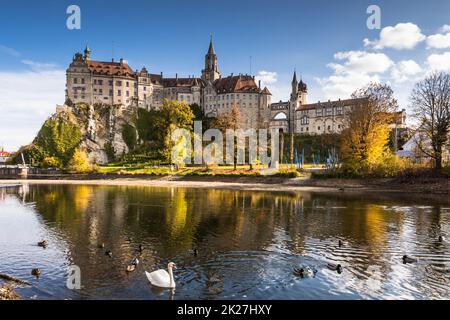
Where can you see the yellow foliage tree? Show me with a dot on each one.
(80, 162)
(365, 138)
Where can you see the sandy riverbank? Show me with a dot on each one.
(423, 186)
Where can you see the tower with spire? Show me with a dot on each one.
(87, 53)
(211, 71)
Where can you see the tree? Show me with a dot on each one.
(366, 134)
(80, 161)
(129, 136)
(229, 120)
(430, 100)
(58, 138)
(172, 115)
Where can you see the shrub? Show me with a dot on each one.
(80, 162)
(51, 162)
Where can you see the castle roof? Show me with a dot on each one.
(119, 69)
(241, 83)
(335, 103)
(181, 82)
(302, 86)
(266, 91)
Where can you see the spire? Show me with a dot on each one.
(87, 53)
(211, 46)
(294, 79)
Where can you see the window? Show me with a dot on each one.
(110, 82)
(82, 80)
(128, 93)
(128, 84)
(329, 128)
(118, 83)
(338, 110)
(95, 81)
(75, 80)
(319, 112)
(307, 128)
(100, 91)
(318, 128)
(339, 126)
(329, 111)
(304, 120)
(110, 93)
(145, 88)
(100, 82)
(119, 92)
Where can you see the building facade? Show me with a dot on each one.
(300, 117)
(115, 83)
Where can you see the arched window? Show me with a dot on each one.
(280, 116)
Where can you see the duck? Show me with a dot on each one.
(101, 245)
(335, 267)
(133, 265)
(441, 239)
(36, 272)
(161, 278)
(407, 259)
(108, 253)
(43, 243)
(195, 252)
(341, 189)
(139, 248)
(340, 243)
(305, 272)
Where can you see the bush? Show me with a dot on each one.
(80, 162)
(51, 162)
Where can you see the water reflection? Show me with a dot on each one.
(247, 242)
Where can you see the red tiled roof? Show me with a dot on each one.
(236, 84)
(110, 68)
(4, 154)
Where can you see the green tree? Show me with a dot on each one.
(58, 138)
(129, 136)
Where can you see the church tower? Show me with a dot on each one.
(211, 71)
(298, 97)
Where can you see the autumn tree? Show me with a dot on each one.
(366, 129)
(430, 101)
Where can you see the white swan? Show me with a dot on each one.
(161, 278)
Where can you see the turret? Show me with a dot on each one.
(211, 71)
(87, 53)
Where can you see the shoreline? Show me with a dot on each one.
(418, 186)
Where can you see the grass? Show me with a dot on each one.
(219, 171)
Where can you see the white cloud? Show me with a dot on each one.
(9, 51)
(267, 77)
(401, 36)
(439, 62)
(439, 41)
(406, 70)
(445, 28)
(361, 62)
(358, 69)
(39, 66)
(27, 98)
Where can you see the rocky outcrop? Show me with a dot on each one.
(101, 127)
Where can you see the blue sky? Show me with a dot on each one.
(323, 40)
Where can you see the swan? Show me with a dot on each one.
(161, 278)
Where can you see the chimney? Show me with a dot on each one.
(121, 61)
(112, 60)
(176, 76)
(161, 74)
(259, 83)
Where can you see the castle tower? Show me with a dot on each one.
(211, 71)
(87, 53)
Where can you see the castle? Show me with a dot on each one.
(115, 83)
